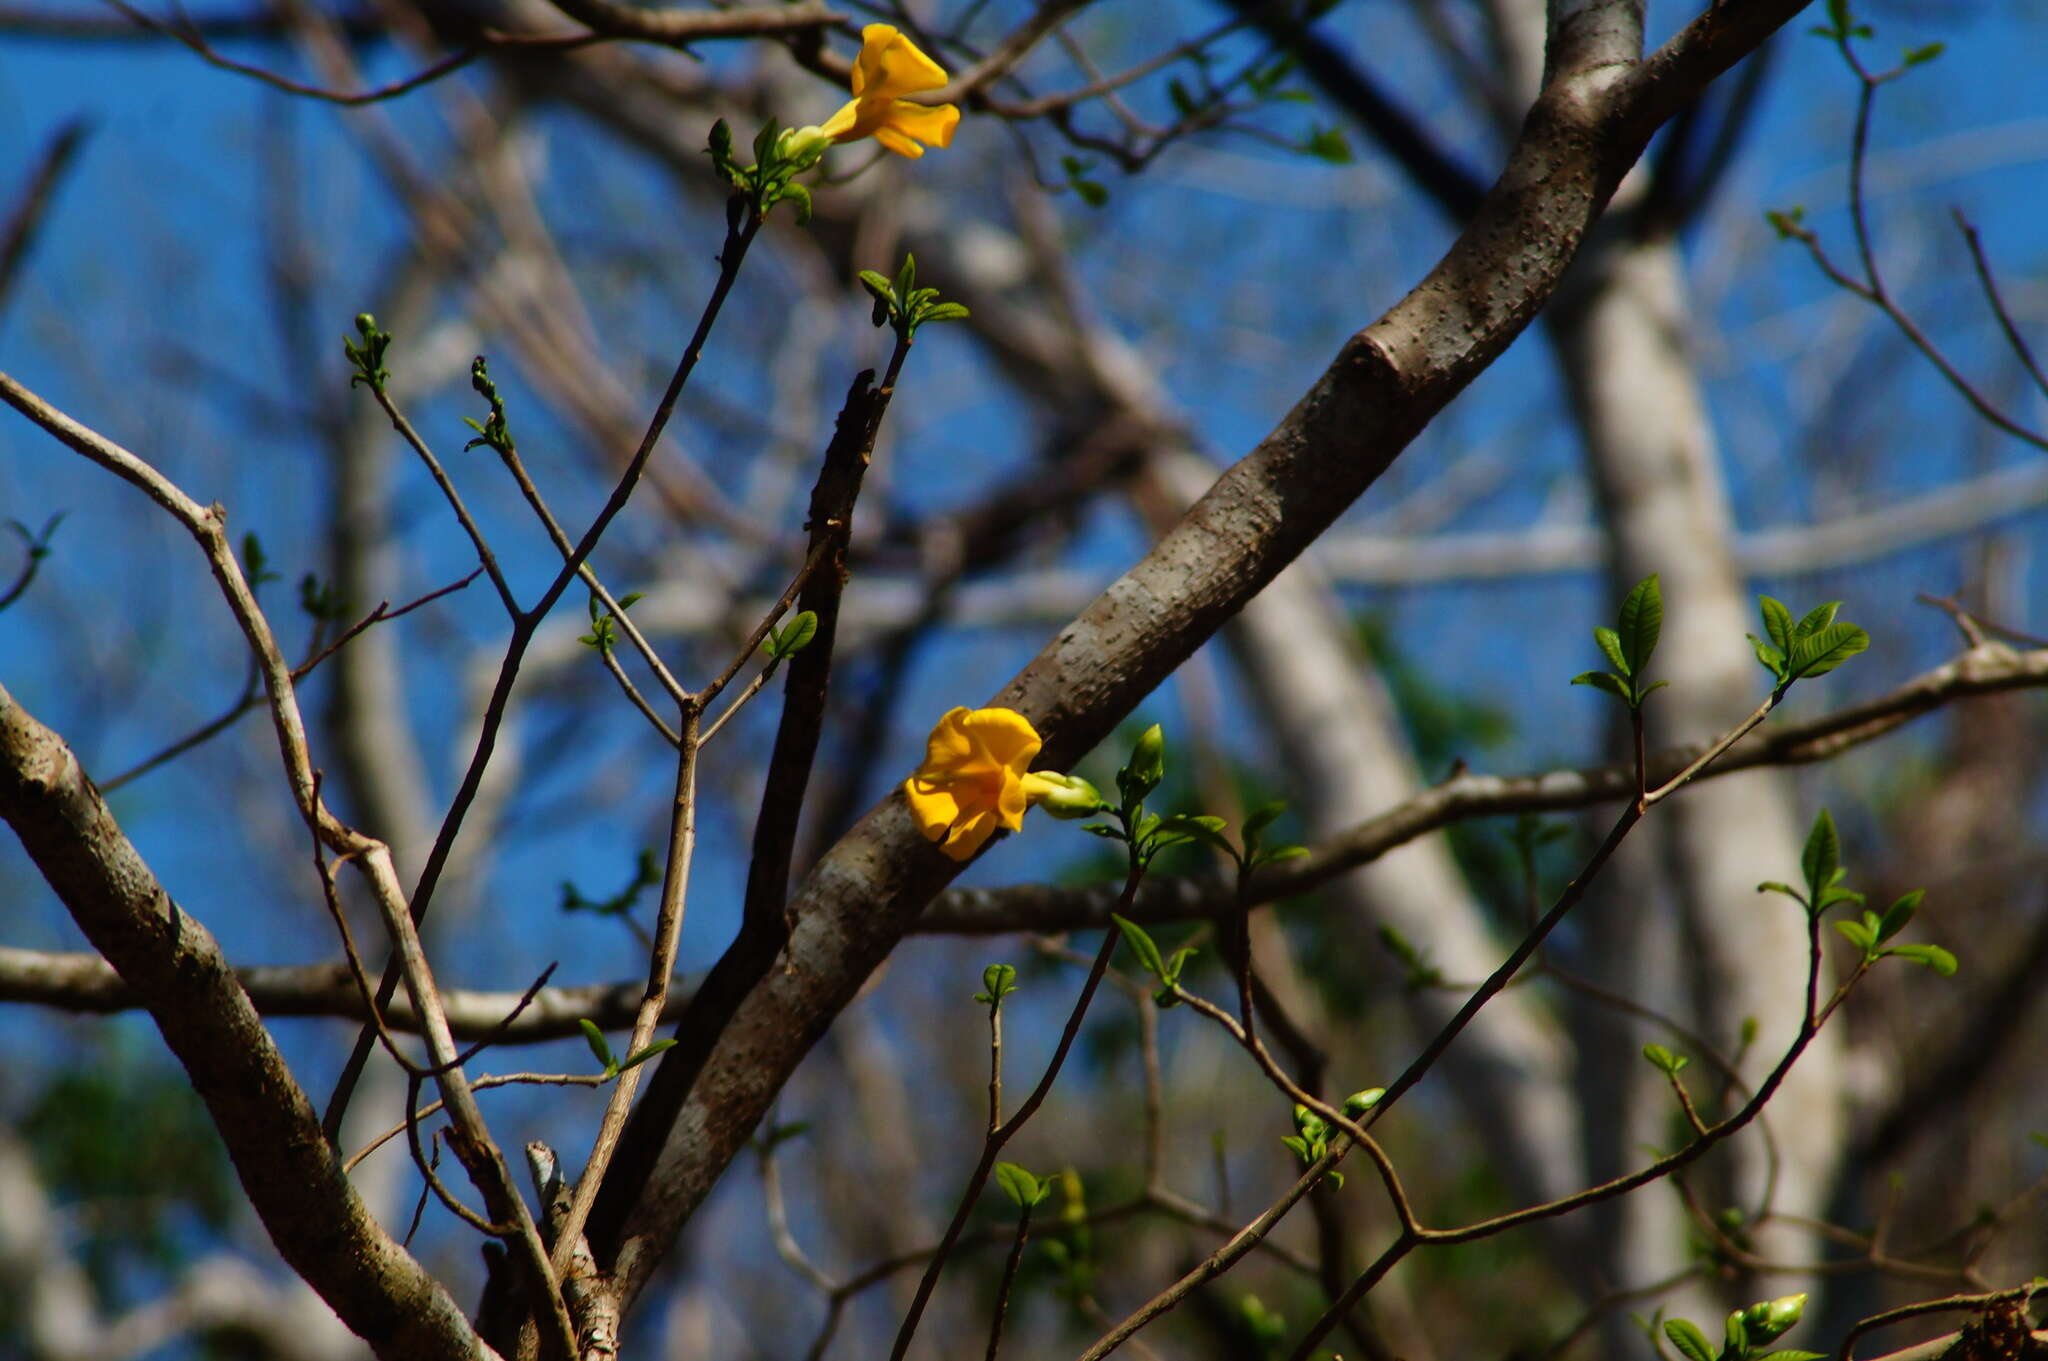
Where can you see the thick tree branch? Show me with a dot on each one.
(1385, 384)
(176, 969)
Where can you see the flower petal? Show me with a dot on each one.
(949, 747)
(897, 142)
(932, 805)
(928, 124)
(969, 836)
(1004, 735)
(840, 127)
(890, 65)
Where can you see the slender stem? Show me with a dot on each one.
(668, 930)
(1003, 1133)
(468, 522)
(739, 235)
(995, 1327)
(995, 1065)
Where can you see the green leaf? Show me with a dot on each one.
(1328, 144)
(1664, 1060)
(594, 1037)
(794, 636)
(1177, 961)
(1611, 684)
(1023, 1189)
(1142, 945)
(1777, 621)
(1899, 913)
(1773, 886)
(1821, 652)
(645, 1054)
(1920, 56)
(1787, 223)
(1857, 934)
(800, 196)
(1816, 619)
(997, 982)
(1821, 856)
(1090, 192)
(1793, 1356)
(1838, 15)
(1642, 620)
(1610, 643)
(944, 311)
(764, 140)
(1262, 817)
(1690, 1341)
(1773, 660)
(878, 285)
(1933, 956)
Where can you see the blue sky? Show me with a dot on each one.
(144, 311)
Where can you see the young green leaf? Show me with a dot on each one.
(1933, 956)
(1642, 620)
(1142, 945)
(997, 982)
(1611, 684)
(1690, 1341)
(1023, 1189)
(1777, 622)
(1821, 856)
(1610, 643)
(1899, 913)
(1663, 1060)
(1819, 652)
(599, 1050)
(649, 1052)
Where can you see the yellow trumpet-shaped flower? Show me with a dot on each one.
(889, 67)
(974, 777)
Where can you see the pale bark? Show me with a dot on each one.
(1387, 383)
(287, 1169)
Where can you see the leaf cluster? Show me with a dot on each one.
(367, 359)
(613, 1065)
(757, 188)
(1747, 1334)
(492, 429)
(1628, 646)
(1820, 862)
(604, 625)
(1813, 646)
(901, 304)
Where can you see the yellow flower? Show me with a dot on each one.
(888, 68)
(974, 777)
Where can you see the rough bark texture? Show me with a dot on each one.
(175, 967)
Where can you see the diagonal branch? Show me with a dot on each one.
(1386, 383)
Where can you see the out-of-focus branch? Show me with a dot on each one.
(1465, 795)
(18, 232)
(678, 27)
(78, 981)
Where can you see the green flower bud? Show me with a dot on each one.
(1067, 797)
